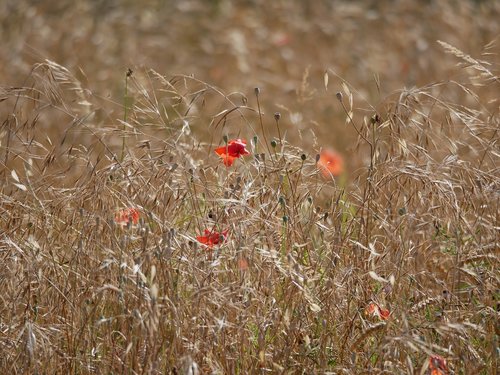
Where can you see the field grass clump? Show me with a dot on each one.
(375, 270)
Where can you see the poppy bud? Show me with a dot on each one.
(282, 200)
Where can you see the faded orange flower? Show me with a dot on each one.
(123, 217)
(374, 309)
(234, 149)
(330, 163)
(437, 365)
(242, 264)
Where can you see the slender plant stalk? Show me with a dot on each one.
(125, 113)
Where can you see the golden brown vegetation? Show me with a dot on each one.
(384, 269)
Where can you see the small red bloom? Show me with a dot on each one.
(123, 217)
(437, 365)
(233, 150)
(375, 310)
(384, 313)
(212, 237)
(330, 163)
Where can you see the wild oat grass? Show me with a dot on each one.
(414, 229)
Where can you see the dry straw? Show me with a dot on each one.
(82, 293)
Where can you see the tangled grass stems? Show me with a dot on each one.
(415, 231)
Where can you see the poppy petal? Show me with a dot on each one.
(437, 365)
(221, 150)
(122, 217)
(374, 309)
(330, 163)
(211, 238)
(228, 160)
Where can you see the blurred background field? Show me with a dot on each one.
(282, 47)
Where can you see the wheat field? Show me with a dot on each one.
(249, 187)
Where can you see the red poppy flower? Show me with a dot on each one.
(233, 150)
(212, 237)
(384, 313)
(437, 365)
(375, 310)
(330, 163)
(123, 217)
